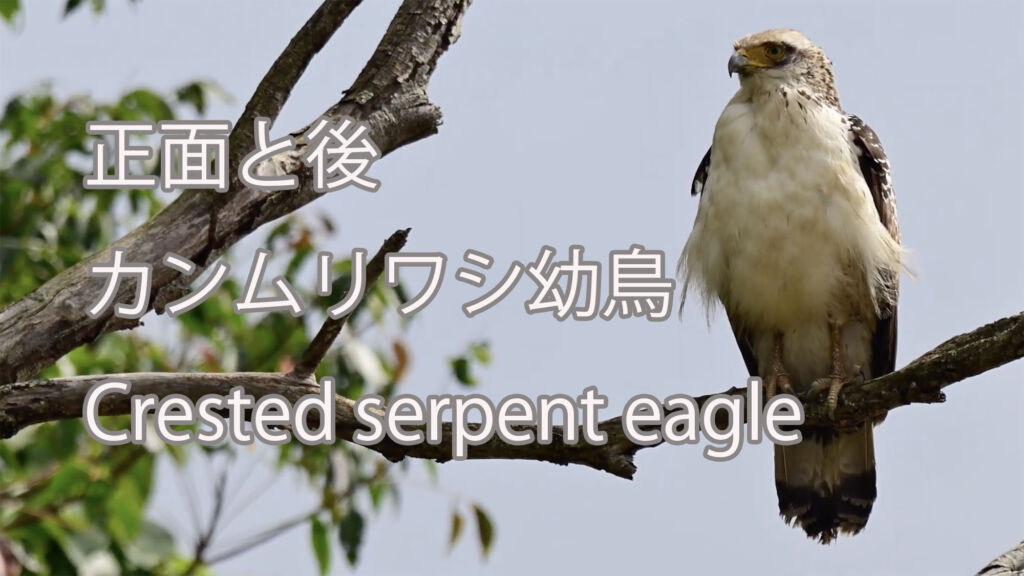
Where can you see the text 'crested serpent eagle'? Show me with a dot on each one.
(796, 236)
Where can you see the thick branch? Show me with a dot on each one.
(922, 380)
(1011, 563)
(988, 347)
(389, 94)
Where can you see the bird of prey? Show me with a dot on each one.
(796, 236)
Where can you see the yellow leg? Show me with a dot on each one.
(778, 380)
(837, 378)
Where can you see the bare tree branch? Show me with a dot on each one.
(922, 381)
(317, 349)
(284, 74)
(1011, 563)
(205, 538)
(390, 94)
(988, 347)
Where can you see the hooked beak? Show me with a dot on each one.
(738, 63)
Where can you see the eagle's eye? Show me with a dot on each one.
(775, 51)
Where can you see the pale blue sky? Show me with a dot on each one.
(582, 123)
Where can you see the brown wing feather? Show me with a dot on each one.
(875, 167)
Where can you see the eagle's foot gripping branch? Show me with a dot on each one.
(834, 384)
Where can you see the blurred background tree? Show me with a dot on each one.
(71, 505)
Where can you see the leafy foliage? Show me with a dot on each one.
(9, 9)
(71, 505)
(484, 527)
(68, 502)
(48, 220)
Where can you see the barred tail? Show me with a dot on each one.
(826, 484)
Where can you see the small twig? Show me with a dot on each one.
(323, 340)
(206, 538)
(251, 542)
(260, 538)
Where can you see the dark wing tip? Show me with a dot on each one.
(701, 176)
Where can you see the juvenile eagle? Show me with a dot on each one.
(796, 236)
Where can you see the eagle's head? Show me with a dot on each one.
(776, 58)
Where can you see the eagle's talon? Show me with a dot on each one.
(777, 383)
(833, 397)
(784, 383)
(834, 384)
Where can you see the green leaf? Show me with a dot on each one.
(460, 367)
(141, 104)
(197, 94)
(153, 546)
(194, 94)
(431, 470)
(320, 546)
(71, 6)
(80, 546)
(485, 529)
(125, 511)
(141, 473)
(377, 492)
(350, 532)
(8, 8)
(456, 529)
(71, 480)
(482, 352)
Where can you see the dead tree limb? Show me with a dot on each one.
(1011, 563)
(921, 381)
